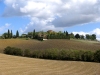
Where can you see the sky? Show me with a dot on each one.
(77, 16)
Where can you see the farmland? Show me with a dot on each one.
(14, 65)
(49, 44)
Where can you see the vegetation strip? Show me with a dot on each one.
(55, 54)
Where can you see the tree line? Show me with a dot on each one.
(48, 35)
(55, 54)
(9, 35)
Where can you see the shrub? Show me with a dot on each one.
(56, 54)
(13, 51)
(27, 53)
(97, 56)
(88, 56)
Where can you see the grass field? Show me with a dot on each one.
(49, 44)
(13, 65)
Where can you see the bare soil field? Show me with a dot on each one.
(49, 44)
(14, 65)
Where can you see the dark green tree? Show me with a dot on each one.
(82, 36)
(77, 36)
(66, 33)
(88, 36)
(93, 37)
(8, 33)
(11, 35)
(5, 35)
(34, 33)
(17, 33)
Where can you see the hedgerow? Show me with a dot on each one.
(55, 54)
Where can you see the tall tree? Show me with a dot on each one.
(11, 35)
(34, 33)
(66, 33)
(17, 33)
(8, 33)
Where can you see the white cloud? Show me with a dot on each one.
(95, 31)
(5, 27)
(54, 14)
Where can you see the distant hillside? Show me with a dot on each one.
(49, 44)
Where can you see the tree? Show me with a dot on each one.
(88, 36)
(17, 33)
(72, 35)
(8, 33)
(93, 37)
(66, 33)
(34, 33)
(82, 36)
(11, 35)
(77, 36)
(5, 35)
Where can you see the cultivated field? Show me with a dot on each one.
(49, 44)
(13, 65)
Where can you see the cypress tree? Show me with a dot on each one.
(8, 33)
(11, 34)
(34, 33)
(66, 33)
(17, 34)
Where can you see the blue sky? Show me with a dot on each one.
(77, 16)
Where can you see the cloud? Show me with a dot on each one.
(5, 27)
(54, 14)
(95, 31)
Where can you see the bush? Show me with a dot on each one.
(88, 56)
(97, 56)
(13, 51)
(27, 53)
(55, 54)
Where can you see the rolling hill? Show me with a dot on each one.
(49, 44)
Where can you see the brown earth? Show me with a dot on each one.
(49, 44)
(14, 65)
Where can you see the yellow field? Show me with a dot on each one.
(13, 65)
(49, 44)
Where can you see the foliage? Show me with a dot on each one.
(77, 36)
(55, 54)
(17, 33)
(26, 53)
(97, 56)
(91, 37)
(11, 35)
(8, 33)
(13, 51)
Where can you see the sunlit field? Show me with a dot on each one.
(14, 65)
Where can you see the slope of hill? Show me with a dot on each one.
(13, 65)
(49, 44)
